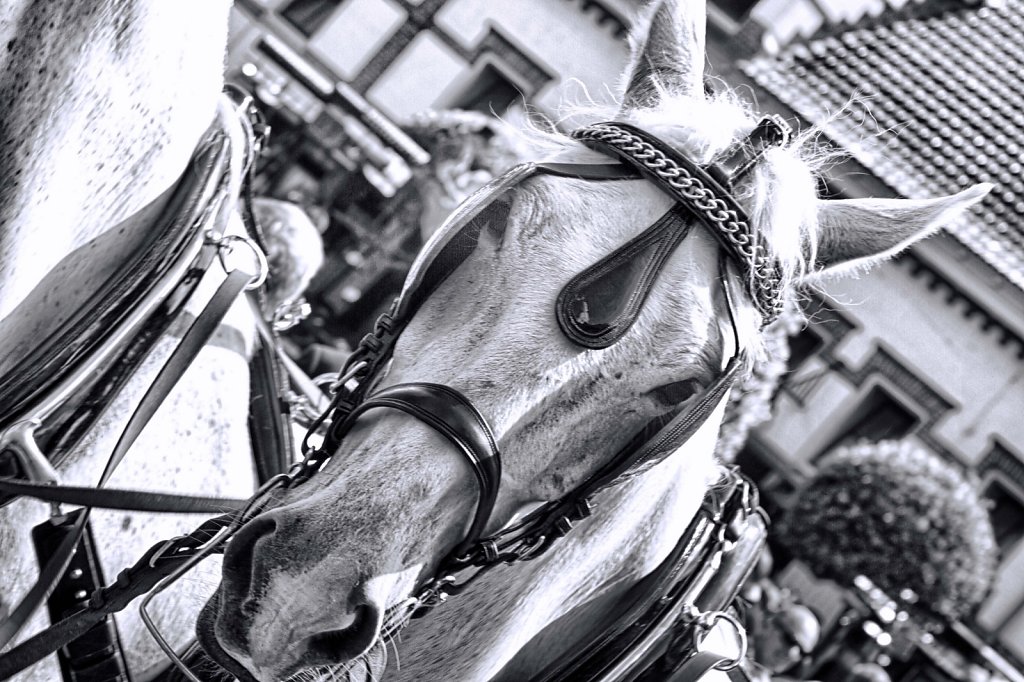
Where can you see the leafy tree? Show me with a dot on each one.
(900, 515)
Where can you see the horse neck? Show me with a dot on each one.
(520, 617)
(102, 104)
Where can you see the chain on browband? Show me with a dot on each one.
(708, 198)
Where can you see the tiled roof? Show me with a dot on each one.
(932, 104)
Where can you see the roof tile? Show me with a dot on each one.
(930, 103)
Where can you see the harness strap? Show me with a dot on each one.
(120, 498)
(269, 413)
(191, 343)
(160, 561)
(654, 633)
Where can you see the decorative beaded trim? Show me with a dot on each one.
(716, 209)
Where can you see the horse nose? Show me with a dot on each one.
(282, 609)
(280, 648)
(238, 579)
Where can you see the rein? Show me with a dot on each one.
(189, 244)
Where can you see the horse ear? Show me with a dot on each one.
(669, 56)
(856, 233)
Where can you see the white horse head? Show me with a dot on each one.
(307, 583)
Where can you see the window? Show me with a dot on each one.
(1007, 514)
(490, 91)
(880, 416)
(736, 9)
(802, 346)
(308, 16)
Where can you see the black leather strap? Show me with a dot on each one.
(601, 303)
(97, 656)
(590, 171)
(451, 414)
(160, 561)
(269, 412)
(730, 167)
(119, 498)
(193, 341)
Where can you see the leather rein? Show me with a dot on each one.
(74, 375)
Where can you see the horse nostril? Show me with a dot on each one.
(355, 635)
(239, 567)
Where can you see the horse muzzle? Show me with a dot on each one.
(272, 623)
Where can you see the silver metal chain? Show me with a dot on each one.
(763, 282)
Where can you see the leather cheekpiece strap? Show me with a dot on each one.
(451, 414)
(770, 131)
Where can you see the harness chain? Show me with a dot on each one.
(696, 189)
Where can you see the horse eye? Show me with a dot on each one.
(677, 392)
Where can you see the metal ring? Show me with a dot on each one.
(225, 245)
(706, 620)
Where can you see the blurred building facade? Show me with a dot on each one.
(929, 347)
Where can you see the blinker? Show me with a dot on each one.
(598, 306)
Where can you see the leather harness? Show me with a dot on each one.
(728, 521)
(71, 377)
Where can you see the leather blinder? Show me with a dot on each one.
(601, 303)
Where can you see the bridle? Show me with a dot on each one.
(612, 301)
(701, 194)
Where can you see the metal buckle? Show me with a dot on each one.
(201, 553)
(225, 247)
(705, 621)
(20, 439)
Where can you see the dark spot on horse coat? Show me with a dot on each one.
(126, 523)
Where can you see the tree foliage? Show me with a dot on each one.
(903, 517)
